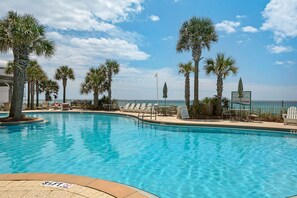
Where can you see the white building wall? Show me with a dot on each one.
(4, 94)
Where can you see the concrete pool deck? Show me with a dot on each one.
(193, 122)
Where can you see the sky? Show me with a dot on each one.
(142, 36)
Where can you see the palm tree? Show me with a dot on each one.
(95, 81)
(64, 73)
(221, 67)
(32, 70)
(186, 69)
(41, 76)
(195, 35)
(112, 68)
(24, 35)
(34, 75)
(50, 88)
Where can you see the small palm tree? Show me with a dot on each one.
(41, 76)
(195, 35)
(32, 71)
(186, 69)
(64, 73)
(23, 35)
(95, 81)
(50, 87)
(112, 68)
(222, 67)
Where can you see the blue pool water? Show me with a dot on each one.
(169, 161)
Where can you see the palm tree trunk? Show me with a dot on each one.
(47, 96)
(19, 82)
(28, 94)
(219, 94)
(64, 90)
(32, 95)
(109, 88)
(37, 93)
(15, 86)
(96, 100)
(187, 90)
(196, 54)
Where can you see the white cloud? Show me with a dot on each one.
(109, 48)
(88, 15)
(278, 49)
(166, 38)
(154, 18)
(227, 26)
(240, 16)
(286, 63)
(281, 18)
(250, 29)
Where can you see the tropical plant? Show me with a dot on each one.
(222, 67)
(64, 73)
(9, 68)
(51, 89)
(186, 69)
(195, 35)
(24, 35)
(112, 68)
(96, 81)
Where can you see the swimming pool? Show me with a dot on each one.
(169, 161)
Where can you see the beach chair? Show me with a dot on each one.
(226, 113)
(56, 106)
(131, 107)
(141, 108)
(291, 116)
(45, 105)
(125, 108)
(65, 106)
(255, 115)
(136, 108)
(147, 112)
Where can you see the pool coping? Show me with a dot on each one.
(111, 188)
(22, 122)
(292, 129)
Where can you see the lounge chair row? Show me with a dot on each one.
(137, 108)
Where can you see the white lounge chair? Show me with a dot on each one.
(136, 108)
(291, 116)
(141, 108)
(131, 107)
(125, 108)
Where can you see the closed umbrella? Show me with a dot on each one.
(165, 90)
(240, 93)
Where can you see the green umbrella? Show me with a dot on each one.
(240, 93)
(165, 90)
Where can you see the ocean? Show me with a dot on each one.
(274, 107)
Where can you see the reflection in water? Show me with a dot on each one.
(63, 138)
(97, 138)
(22, 145)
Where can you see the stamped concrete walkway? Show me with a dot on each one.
(27, 185)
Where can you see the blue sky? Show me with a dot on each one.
(142, 36)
